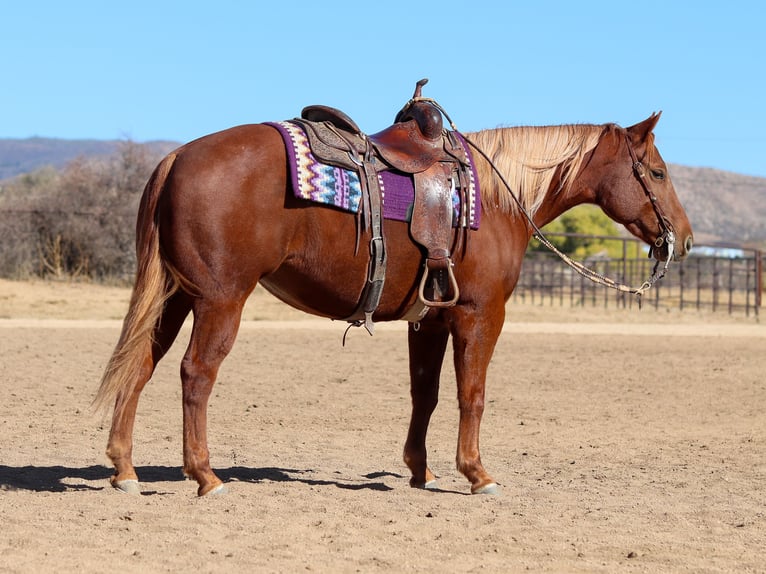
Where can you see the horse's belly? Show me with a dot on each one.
(326, 276)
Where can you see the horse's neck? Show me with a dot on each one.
(556, 203)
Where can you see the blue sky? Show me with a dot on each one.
(145, 70)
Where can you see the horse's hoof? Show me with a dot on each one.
(491, 488)
(430, 485)
(215, 491)
(129, 486)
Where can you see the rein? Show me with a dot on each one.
(666, 236)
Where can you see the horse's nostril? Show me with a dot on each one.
(689, 243)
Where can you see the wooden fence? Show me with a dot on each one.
(713, 278)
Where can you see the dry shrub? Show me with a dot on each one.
(77, 222)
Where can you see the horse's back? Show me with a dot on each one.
(232, 164)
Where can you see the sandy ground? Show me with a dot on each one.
(623, 441)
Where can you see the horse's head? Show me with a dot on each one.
(635, 190)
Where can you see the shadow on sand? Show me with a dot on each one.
(65, 478)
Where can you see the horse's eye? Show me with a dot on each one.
(658, 174)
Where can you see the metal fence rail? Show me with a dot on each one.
(713, 278)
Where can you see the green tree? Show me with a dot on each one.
(586, 220)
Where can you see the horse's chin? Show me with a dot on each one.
(661, 254)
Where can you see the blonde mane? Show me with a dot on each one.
(529, 157)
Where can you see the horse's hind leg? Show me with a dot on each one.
(426, 347)
(120, 446)
(215, 328)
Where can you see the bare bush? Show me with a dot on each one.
(79, 222)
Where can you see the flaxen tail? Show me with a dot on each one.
(153, 286)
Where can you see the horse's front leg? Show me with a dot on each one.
(474, 339)
(427, 345)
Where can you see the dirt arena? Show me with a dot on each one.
(624, 442)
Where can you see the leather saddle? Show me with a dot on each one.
(416, 143)
(412, 144)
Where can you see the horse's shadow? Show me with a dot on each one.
(66, 478)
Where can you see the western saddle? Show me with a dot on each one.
(415, 144)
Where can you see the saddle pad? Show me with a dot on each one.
(330, 185)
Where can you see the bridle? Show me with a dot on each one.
(667, 234)
(666, 237)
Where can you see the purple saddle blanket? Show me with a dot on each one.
(330, 185)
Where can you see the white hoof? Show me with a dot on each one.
(217, 491)
(129, 486)
(430, 485)
(492, 489)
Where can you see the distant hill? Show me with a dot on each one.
(722, 206)
(19, 156)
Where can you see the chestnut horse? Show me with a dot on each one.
(218, 216)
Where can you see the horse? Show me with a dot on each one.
(218, 216)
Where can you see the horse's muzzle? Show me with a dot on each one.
(688, 243)
(680, 249)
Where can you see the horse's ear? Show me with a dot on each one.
(641, 130)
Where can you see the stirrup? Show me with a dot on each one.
(453, 285)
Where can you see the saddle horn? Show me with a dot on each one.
(419, 88)
(426, 115)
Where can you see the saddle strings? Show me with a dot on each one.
(591, 274)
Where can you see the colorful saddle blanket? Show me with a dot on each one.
(330, 185)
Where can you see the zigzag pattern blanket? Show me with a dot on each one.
(330, 185)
